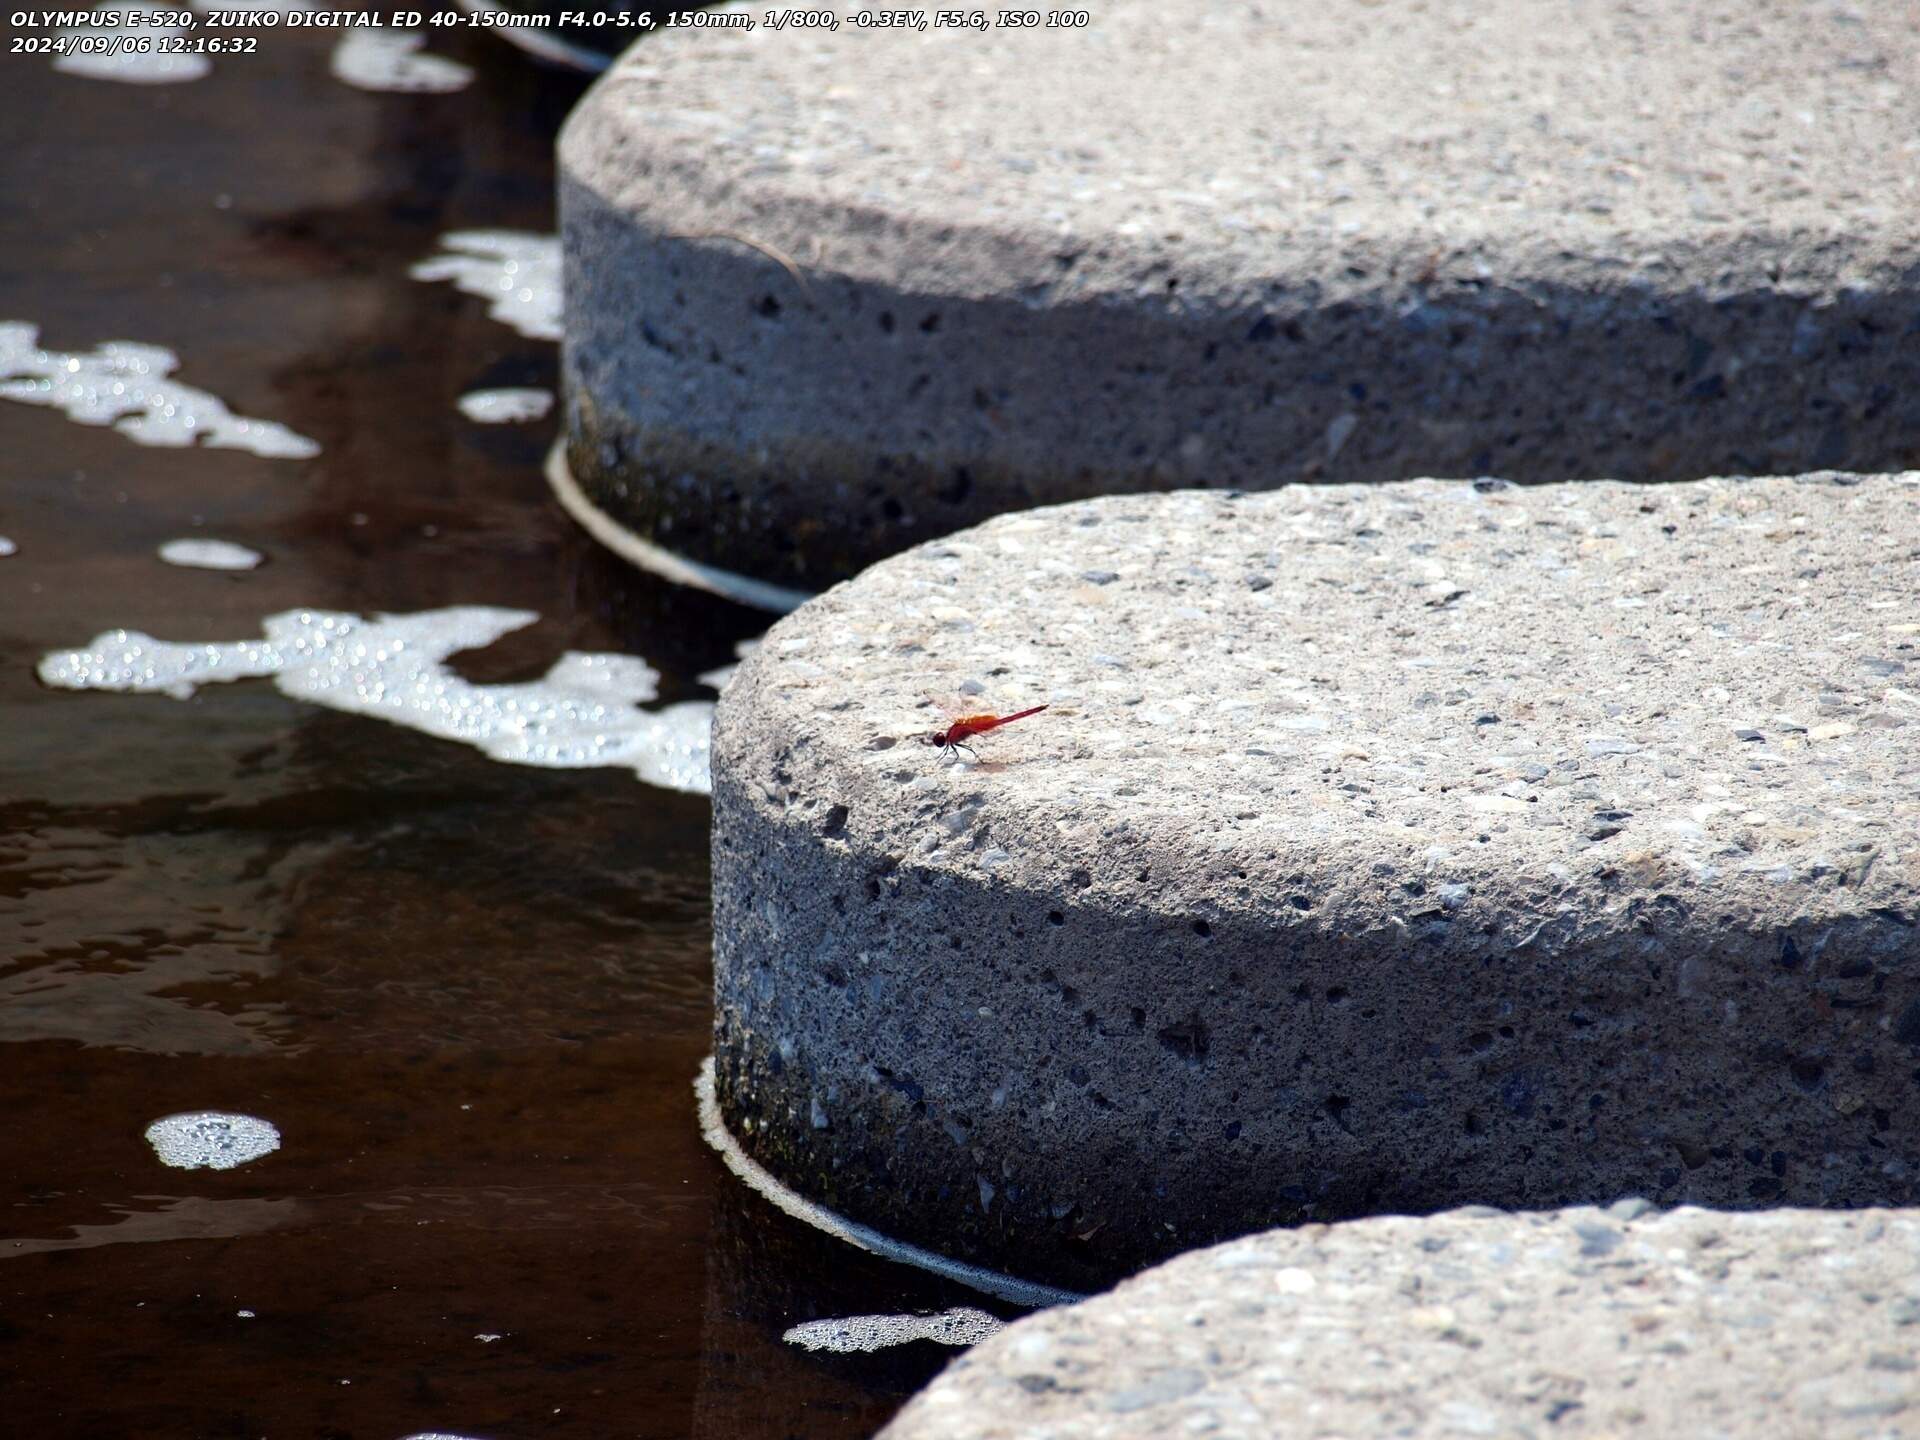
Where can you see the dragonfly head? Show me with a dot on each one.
(934, 737)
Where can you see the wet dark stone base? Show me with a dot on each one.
(803, 521)
(1327, 1087)
(798, 436)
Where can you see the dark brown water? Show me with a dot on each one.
(471, 996)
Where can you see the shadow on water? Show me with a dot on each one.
(470, 996)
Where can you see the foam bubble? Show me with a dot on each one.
(130, 68)
(518, 273)
(542, 44)
(7, 547)
(721, 675)
(506, 407)
(210, 555)
(582, 713)
(385, 60)
(123, 384)
(961, 1325)
(211, 1140)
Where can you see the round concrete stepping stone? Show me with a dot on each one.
(833, 292)
(1384, 849)
(1787, 1325)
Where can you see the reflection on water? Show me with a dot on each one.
(109, 930)
(154, 1219)
(189, 1218)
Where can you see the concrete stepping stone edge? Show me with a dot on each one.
(820, 307)
(1383, 849)
(1780, 1325)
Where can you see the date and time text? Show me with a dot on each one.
(140, 30)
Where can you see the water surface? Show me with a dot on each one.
(467, 997)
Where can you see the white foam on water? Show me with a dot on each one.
(962, 1325)
(542, 44)
(7, 547)
(124, 385)
(211, 1140)
(581, 713)
(713, 1127)
(149, 68)
(721, 674)
(386, 60)
(506, 407)
(210, 555)
(517, 272)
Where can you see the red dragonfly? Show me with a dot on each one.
(956, 735)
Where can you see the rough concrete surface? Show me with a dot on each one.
(1231, 245)
(1385, 849)
(1789, 1325)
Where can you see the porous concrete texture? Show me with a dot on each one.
(829, 294)
(1788, 1325)
(1385, 849)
